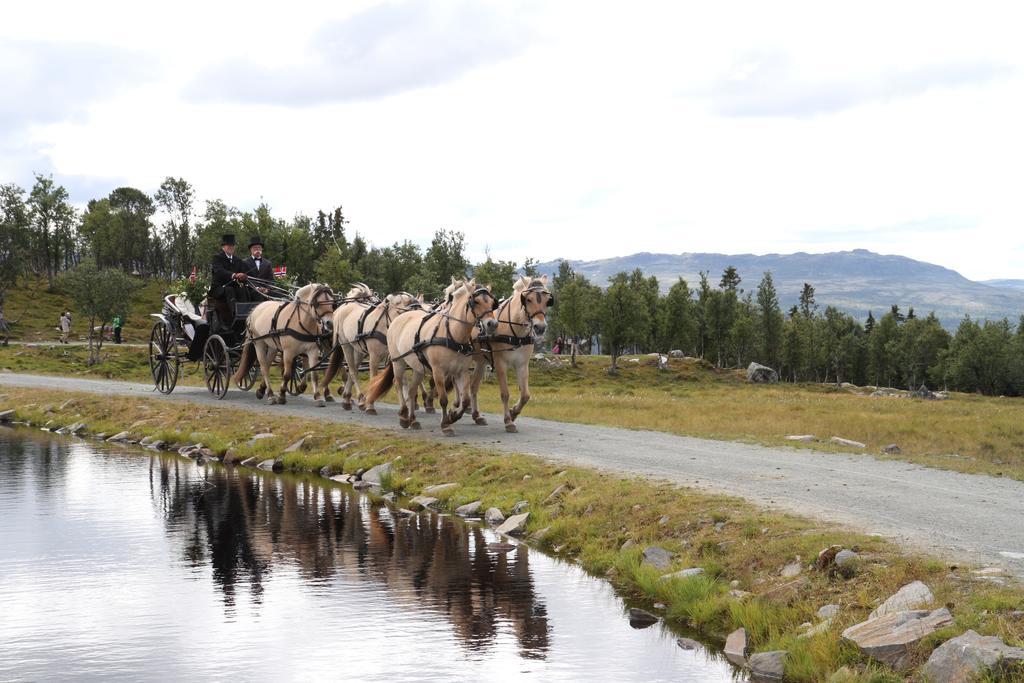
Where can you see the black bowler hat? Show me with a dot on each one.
(254, 240)
(227, 239)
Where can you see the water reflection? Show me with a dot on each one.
(119, 564)
(242, 523)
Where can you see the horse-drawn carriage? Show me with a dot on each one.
(181, 334)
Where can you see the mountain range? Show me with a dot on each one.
(854, 281)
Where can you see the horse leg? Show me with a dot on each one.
(346, 393)
(523, 375)
(502, 372)
(442, 400)
(374, 361)
(399, 367)
(314, 359)
(287, 364)
(264, 353)
(461, 396)
(428, 396)
(414, 386)
(474, 389)
(357, 359)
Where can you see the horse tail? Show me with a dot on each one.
(334, 365)
(245, 362)
(380, 384)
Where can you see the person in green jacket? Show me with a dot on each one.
(117, 328)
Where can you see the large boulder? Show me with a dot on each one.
(641, 618)
(493, 516)
(761, 374)
(469, 509)
(969, 656)
(891, 639)
(914, 595)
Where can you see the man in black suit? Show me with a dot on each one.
(258, 267)
(227, 283)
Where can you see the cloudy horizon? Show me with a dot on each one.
(546, 130)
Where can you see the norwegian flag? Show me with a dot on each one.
(280, 271)
(192, 277)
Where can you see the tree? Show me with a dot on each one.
(807, 305)
(14, 241)
(135, 209)
(177, 198)
(393, 268)
(530, 268)
(98, 294)
(677, 319)
(624, 318)
(577, 310)
(500, 275)
(443, 260)
(51, 219)
(769, 321)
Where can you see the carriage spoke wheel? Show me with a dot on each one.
(164, 362)
(216, 365)
(293, 383)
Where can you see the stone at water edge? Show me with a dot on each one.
(736, 646)
(493, 516)
(469, 509)
(768, 666)
(421, 501)
(255, 439)
(520, 507)
(271, 465)
(514, 525)
(840, 441)
(7, 416)
(688, 644)
(640, 618)
(893, 638)
(657, 557)
(375, 474)
(968, 656)
(297, 446)
(914, 595)
(249, 462)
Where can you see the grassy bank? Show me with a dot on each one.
(739, 546)
(967, 433)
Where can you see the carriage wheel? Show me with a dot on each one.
(293, 382)
(164, 362)
(251, 377)
(216, 365)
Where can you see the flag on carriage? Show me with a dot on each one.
(280, 271)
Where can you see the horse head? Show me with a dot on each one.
(480, 304)
(535, 299)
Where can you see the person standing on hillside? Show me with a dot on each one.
(258, 267)
(117, 328)
(65, 326)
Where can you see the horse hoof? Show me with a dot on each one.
(281, 400)
(429, 409)
(415, 424)
(320, 403)
(403, 422)
(329, 399)
(371, 411)
(447, 431)
(510, 428)
(346, 406)
(482, 421)
(271, 400)
(260, 393)
(360, 406)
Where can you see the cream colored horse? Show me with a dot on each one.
(358, 299)
(437, 342)
(291, 328)
(360, 330)
(521, 317)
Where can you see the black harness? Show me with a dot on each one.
(516, 342)
(420, 345)
(304, 335)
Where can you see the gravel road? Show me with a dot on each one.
(971, 518)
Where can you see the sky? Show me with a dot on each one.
(546, 129)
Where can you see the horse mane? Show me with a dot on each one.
(521, 284)
(359, 290)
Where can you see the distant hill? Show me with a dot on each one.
(855, 281)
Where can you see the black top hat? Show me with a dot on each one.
(254, 240)
(227, 239)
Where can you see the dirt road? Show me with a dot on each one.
(974, 518)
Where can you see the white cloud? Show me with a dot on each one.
(575, 129)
